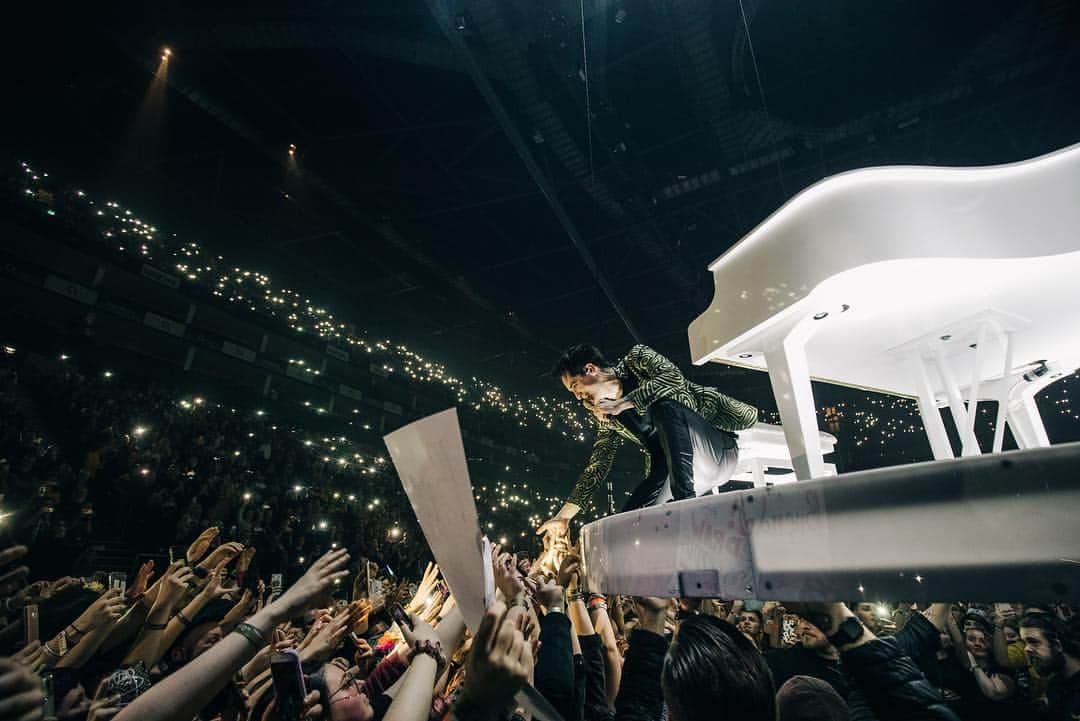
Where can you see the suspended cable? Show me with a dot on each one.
(588, 103)
(764, 104)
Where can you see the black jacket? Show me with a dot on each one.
(641, 697)
(891, 685)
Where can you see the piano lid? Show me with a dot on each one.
(884, 256)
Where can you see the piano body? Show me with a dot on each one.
(947, 285)
(940, 284)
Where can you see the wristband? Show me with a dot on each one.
(576, 596)
(252, 634)
(430, 649)
(182, 618)
(76, 629)
(517, 602)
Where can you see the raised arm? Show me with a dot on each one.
(180, 696)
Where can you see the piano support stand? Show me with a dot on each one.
(789, 375)
(931, 416)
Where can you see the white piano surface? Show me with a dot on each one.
(763, 447)
(908, 250)
(942, 284)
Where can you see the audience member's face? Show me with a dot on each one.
(750, 624)
(206, 641)
(348, 702)
(1047, 658)
(811, 637)
(868, 616)
(977, 643)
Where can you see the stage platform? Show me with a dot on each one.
(1002, 527)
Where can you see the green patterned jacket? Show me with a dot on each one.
(657, 378)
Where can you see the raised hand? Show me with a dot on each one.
(360, 614)
(20, 692)
(556, 527)
(240, 610)
(201, 545)
(327, 639)
(244, 562)
(421, 631)
(31, 656)
(142, 580)
(545, 592)
(314, 586)
(569, 571)
(215, 583)
(507, 579)
(106, 609)
(225, 552)
(499, 663)
(174, 585)
(13, 579)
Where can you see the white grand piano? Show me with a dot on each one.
(942, 284)
(948, 285)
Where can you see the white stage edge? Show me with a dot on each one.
(1003, 527)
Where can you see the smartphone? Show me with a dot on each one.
(48, 697)
(30, 623)
(787, 629)
(118, 579)
(400, 617)
(289, 686)
(55, 685)
(276, 580)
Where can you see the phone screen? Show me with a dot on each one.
(289, 687)
(30, 623)
(787, 630)
(275, 582)
(400, 617)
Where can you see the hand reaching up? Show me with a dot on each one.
(314, 586)
(201, 545)
(223, 553)
(499, 663)
(20, 693)
(10, 581)
(507, 579)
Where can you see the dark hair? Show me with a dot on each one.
(713, 671)
(1055, 630)
(573, 360)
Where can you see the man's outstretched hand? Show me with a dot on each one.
(556, 527)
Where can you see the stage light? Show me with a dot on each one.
(63, 357)
(292, 149)
(395, 532)
(108, 374)
(323, 525)
(139, 431)
(247, 495)
(297, 488)
(166, 52)
(198, 401)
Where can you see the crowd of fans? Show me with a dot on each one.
(203, 638)
(221, 508)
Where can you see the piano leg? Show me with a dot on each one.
(1026, 423)
(789, 375)
(931, 416)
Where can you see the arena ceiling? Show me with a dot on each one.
(459, 186)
